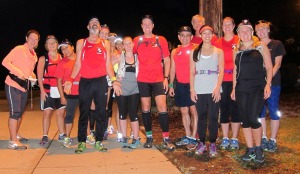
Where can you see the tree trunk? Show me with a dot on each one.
(212, 11)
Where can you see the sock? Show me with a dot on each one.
(149, 134)
(147, 120)
(164, 121)
(273, 139)
(165, 135)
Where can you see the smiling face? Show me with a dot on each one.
(147, 26)
(228, 26)
(51, 45)
(128, 44)
(197, 22)
(206, 35)
(185, 37)
(262, 31)
(245, 33)
(94, 26)
(32, 40)
(67, 50)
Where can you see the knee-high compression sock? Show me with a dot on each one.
(147, 120)
(92, 118)
(164, 123)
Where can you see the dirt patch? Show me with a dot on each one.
(285, 160)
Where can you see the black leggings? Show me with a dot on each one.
(228, 107)
(206, 107)
(250, 105)
(128, 105)
(90, 89)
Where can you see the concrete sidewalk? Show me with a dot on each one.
(57, 159)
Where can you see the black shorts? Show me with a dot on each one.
(183, 95)
(146, 89)
(51, 103)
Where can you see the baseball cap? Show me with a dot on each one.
(185, 28)
(112, 36)
(65, 43)
(93, 17)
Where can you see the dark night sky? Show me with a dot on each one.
(69, 18)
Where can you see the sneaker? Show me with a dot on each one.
(119, 137)
(135, 144)
(61, 137)
(148, 143)
(44, 141)
(90, 139)
(249, 155)
(105, 135)
(272, 146)
(100, 147)
(184, 141)
(168, 144)
(125, 142)
(81, 148)
(22, 139)
(259, 155)
(213, 150)
(201, 148)
(110, 129)
(192, 144)
(15, 145)
(264, 143)
(225, 144)
(67, 142)
(234, 144)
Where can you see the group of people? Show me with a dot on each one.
(234, 75)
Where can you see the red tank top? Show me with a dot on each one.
(49, 74)
(93, 60)
(182, 63)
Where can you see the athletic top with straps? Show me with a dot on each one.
(182, 63)
(49, 74)
(93, 59)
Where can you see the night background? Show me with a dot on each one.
(69, 18)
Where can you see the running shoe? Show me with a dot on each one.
(81, 148)
(22, 139)
(234, 144)
(67, 142)
(167, 144)
(135, 144)
(225, 144)
(213, 150)
(90, 139)
(192, 144)
(100, 147)
(105, 135)
(184, 141)
(201, 148)
(259, 155)
(272, 146)
(14, 145)
(148, 143)
(125, 142)
(61, 137)
(249, 155)
(44, 141)
(264, 143)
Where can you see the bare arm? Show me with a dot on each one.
(216, 92)
(192, 78)
(167, 65)
(172, 74)
(233, 78)
(61, 92)
(278, 60)
(40, 74)
(269, 68)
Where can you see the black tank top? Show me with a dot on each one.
(250, 72)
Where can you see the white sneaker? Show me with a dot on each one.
(90, 139)
(119, 137)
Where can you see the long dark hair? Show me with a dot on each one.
(196, 52)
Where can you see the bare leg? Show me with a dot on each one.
(257, 134)
(123, 127)
(275, 124)
(235, 129)
(60, 120)
(68, 129)
(186, 120)
(194, 120)
(264, 126)
(46, 120)
(225, 129)
(135, 129)
(161, 103)
(248, 137)
(13, 127)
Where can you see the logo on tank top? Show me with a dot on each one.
(99, 51)
(179, 53)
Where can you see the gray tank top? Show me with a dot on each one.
(206, 77)
(129, 81)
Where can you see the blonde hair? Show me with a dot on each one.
(198, 17)
(255, 43)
